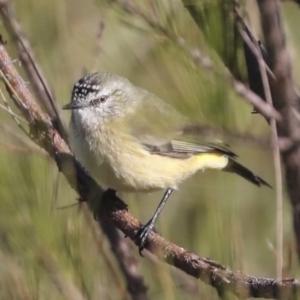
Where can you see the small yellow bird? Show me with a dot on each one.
(131, 140)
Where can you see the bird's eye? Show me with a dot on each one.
(96, 101)
(103, 98)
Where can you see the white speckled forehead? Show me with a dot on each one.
(94, 84)
(85, 86)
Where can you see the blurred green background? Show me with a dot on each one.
(214, 214)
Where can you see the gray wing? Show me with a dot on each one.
(161, 130)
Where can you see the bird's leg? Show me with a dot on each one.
(142, 233)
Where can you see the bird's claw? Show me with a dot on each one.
(141, 236)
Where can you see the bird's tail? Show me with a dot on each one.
(235, 167)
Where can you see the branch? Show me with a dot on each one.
(92, 225)
(34, 73)
(199, 59)
(285, 100)
(128, 265)
(256, 51)
(210, 272)
(241, 89)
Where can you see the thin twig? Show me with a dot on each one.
(276, 156)
(37, 80)
(25, 141)
(201, 60)
(16, 117)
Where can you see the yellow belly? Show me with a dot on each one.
(124, 165)
(151, 172)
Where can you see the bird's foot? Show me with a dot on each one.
(141, 235)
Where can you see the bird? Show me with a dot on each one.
(132, 141)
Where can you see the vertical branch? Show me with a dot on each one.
(127, 263)
(285, 100)
(279, 200)
(254, 47)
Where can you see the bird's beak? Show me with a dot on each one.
(72, 105)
